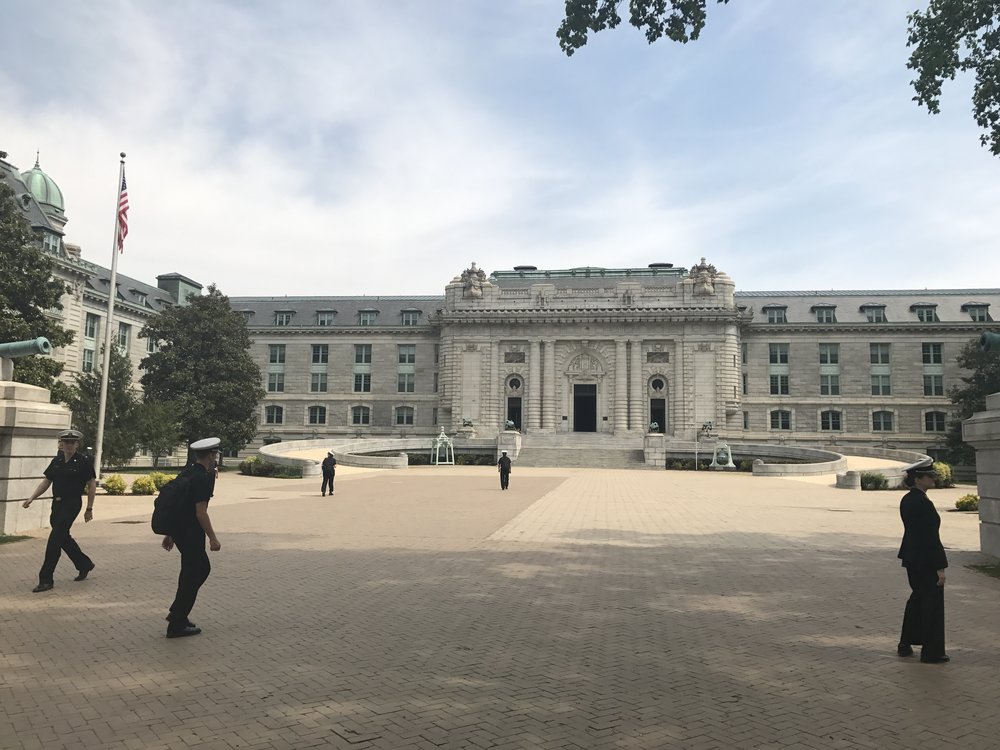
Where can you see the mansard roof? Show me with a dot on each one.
(389, 309)
(129, 289)
(25, 200)
(899, 304)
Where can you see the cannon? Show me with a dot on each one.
(12, 350)
(989, 342)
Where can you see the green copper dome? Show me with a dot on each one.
(44, 188)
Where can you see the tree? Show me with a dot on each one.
(27, 291)
(121, 437)
(203, 366)
(951, 36)
(158, 428)
(982, 380)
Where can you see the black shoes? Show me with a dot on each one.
(41, 587)
(943, 659)
(904, 649)
(83, 573)
(182, 631)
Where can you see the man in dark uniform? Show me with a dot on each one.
(924, 559)
(192, 525)
(503, 465)
(69, 473)
(329, 471)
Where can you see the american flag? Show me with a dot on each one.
(122, 215)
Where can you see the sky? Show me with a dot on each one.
(342, 148)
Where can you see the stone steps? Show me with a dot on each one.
(580, 457)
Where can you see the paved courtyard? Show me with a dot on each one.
(426, 609)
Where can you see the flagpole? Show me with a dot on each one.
(112, 293)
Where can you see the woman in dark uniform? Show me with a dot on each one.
(70, 474)
(924, 559)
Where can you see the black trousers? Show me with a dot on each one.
(327, 480)
(504, 479)
(923, 619)
(64, 513)
(195, 568)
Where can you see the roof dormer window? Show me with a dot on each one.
(824, 313)
(283, 317)
(325, 317)
(926, 312)
(367, 317)
(874, 312)
(775, 313)
(978, 311)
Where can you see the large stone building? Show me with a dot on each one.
(569, 352)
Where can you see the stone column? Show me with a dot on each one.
(621, 387)
(533, 392)
(982, 430)
(637, 395)
(549, 386)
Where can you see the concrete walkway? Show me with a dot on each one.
(424, 608)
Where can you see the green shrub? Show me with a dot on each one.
(143, 486)
(114, 484)
(286, 472)
(944, 476)
(744, 464)
(968, 502)
(255, 466)
(874, 480)
(417, 459)
(160, 478)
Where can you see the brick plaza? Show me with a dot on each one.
(426, 609)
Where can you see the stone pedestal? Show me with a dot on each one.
(29, 426)
(510, 441)
(654, 448)
(982, 431)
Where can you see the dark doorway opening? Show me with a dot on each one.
(514, 412)
(585, 408)
(658, 413)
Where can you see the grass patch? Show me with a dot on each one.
(7, 538)
(990, 569)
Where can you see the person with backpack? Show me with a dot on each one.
(190, 525)
(329, 472)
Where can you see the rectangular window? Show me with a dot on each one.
(283, 318)
(435, 383)
(881, 421)
(362, 382)
(743, 353)
(320, 354)
(317, 382)
(829, 385)
(934, 421)
(875, 314)
(829, 354)
(437, 353)
(407, 354)
(151, 346)
(362, 354)
(878, 354)
(360, 415)
(88, 360)
(124, 336)
(776, 315)
(829, 420)
(979, 313)
(933, 385)
(881, 385)
(325, 318)
(927, 314)
(826, 315)
(777, 354)
(317, 415)
(744, 379)
(410, 318)
(434, 415)
(931, 354)
(404, 383)
(90, 327)
(247, 315)
(781, 419)
(779, 385)
(276, 354)
(276, 382)
(746, 420)
(367, 317)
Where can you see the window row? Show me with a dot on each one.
(319, 382)
(402, 416)
(406, 354)
(829, 354)
(327, 317)
(831, 420)
(829, 385)
(875, 313)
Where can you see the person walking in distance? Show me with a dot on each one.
(925, 561)
(192, 526)
(329, 471)
(70, 473)
(503, 465)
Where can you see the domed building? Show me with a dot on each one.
(47, 193)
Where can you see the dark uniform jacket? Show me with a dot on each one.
(921, 547)
(201, 487)
(69, 478)
(504, 464)
(329, 465)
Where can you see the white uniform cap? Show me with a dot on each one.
(205, 444)
(923, 466)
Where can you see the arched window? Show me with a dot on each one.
(404, 415)
(317, 415)
(830, 420)
(781, 419)
(935, 421)
(881, 421)
(361, 415)
(274, 415)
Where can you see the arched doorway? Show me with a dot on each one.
(657, 394)
(513, 390)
